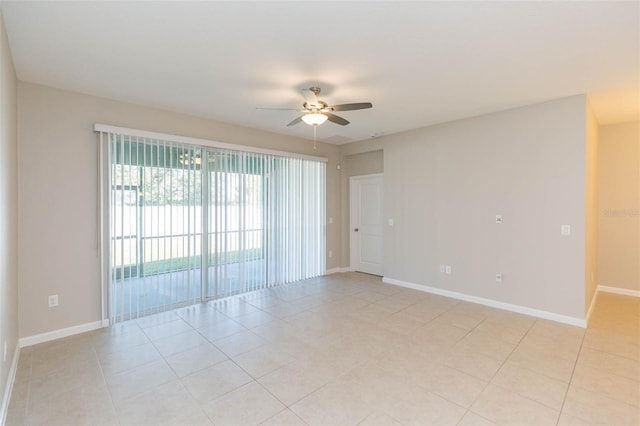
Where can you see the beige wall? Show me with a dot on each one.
(57, 174)
(365, 163)
(591, 207)
(444, 185)
(8, 210)
(619, 206)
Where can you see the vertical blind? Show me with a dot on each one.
(188, 223)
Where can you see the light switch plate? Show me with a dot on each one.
(53, 300)
(565, 230)
(498, 218)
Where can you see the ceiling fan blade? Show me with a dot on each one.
(335, 119)
(296, 121)
(279, 109)
(351, 107)
(311, 98)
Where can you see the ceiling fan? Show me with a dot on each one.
(317, 112)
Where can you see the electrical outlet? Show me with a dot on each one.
(442, 269)
(498, 218)
(565, 230)
(498, 278)
(53, 300)
(330, 220)
(330, 253)
(390, 222)
(447, 270)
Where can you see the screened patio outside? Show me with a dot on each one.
(190, 223)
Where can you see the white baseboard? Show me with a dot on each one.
(64, 332)
(592, 305)
(338, 270)
(618, 290)
(6, 399)
(492, 303)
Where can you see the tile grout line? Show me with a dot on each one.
(179, 379)
(106, 385)
(468, 409)
(468, 332)
(501, 365)
(28, 397)
(229, 358)
(573, 370)
(28, 400)
(280, 412)
(288, 407)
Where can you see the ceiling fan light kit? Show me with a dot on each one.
(314, 118)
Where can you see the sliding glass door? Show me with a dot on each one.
(189, 223)
(156, 232)
(235, 222)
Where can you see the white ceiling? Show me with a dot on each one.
(419, 63)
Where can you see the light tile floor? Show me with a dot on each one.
(344, 349)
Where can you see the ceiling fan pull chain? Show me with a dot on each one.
(315, 129)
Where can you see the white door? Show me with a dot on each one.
(366, 223)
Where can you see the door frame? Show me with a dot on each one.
(352, 246)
